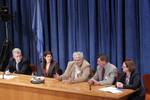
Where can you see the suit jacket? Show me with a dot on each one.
(109, 75)
(70, 72)
(53, 69)
(23, 66)
(134, 83)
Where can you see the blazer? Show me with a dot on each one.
(53, 69)
(109, 75)
(70, 72)
(23, 66)
(134, 83)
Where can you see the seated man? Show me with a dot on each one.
(77, 70)
(105, 73)
(17, 63)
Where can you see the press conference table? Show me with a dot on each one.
(20, 88)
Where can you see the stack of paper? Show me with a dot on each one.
(111, 89)
(7, 76)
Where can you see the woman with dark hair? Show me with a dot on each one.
(130, 79)
(49, 66)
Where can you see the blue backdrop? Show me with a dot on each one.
(118, 28)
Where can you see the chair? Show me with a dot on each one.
(146, 78)
(33, 68)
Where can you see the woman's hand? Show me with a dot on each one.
(119, 85)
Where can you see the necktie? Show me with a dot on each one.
(17, 68)
(103, 72)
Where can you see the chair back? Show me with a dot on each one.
(33, 68)
(146, 79)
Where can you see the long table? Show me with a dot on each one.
(20, 88)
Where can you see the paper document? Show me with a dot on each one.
(7, 76)
(111, 89)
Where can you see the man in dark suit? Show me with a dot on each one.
(18, 64)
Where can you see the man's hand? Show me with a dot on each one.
(69, 81)
(7, 72)
(90, 82)
(93, 82)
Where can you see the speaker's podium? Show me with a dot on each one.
(21, 88)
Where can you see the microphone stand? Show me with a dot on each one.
(5, 16)
(3, 76)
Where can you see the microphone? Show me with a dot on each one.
(90, 87)
(3, 75)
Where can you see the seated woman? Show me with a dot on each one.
(130, 79)
(49, 66)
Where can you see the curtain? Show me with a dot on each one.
(2, 27)
(118, 28)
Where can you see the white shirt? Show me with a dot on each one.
(77, 71)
